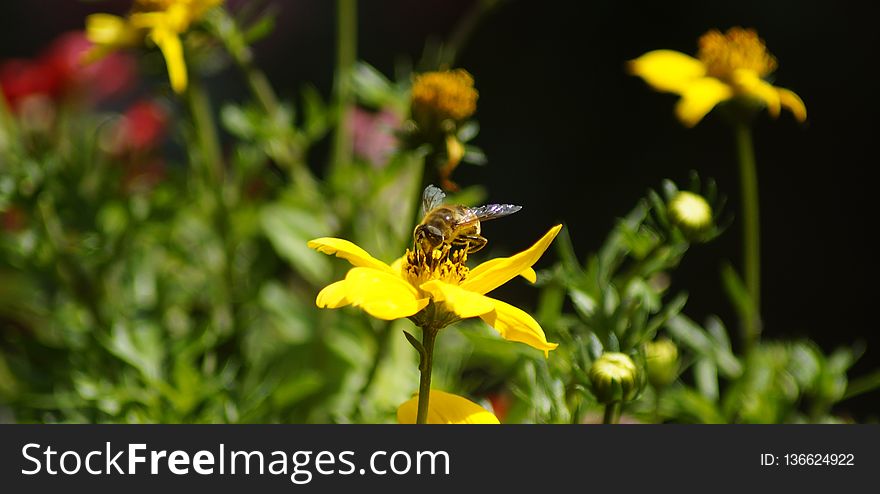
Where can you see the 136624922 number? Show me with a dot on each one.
(819, 459)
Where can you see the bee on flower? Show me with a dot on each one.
(432, 285)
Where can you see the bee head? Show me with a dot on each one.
(428, 237)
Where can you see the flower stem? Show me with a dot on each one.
(205, 133)
(289, 154)
(611, 413)
(751, 231)
(428, 336)
(346, 52)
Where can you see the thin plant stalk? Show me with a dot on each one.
(346, 53)
(751, 231)
(425, 367)
(611, 415)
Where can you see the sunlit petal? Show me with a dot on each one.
(446, 408)
(110, 30)
(749, 83)
(494, 273)
(333, 296)
(516, 325)
(667, 70)
(172, 49)
(350, 252)
(462, 302)
(699, 98)
(529, 274)
(793, 102)
(382, 295)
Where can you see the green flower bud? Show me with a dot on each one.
(691, 213)
(661, 360)
(614, 377)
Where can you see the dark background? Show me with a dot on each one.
(573, 138)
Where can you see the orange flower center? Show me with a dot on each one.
(738, 48)
(444, 263)
(446, 95)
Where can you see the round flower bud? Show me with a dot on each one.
(690, 212)
(661, 361)
(614, 377)
(444, 95)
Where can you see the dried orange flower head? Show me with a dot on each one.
(738, 48)
(444, 95)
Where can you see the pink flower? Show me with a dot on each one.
(373, 135)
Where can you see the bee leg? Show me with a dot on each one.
(474, 242)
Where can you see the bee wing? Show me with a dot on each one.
(431, 198)
(492, 211)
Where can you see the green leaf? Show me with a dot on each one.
(694, 337)
(316, 117)
(289, 229)
(415, 343)
(290, 314)
(862, 385)
(706, 378)
(736, 290)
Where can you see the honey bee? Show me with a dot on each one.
(454, 225)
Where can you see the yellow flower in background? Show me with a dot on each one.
(436, 291)
(446, 408)
(729, 65)
(439, 102)
(444, 95)
(160, 22)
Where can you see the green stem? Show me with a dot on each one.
(290, 155)
(657, 406)
(346, 52)
(611, 416)
(751, 231)
(426, 365)
(205, 133)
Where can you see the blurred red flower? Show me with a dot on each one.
(59, 73)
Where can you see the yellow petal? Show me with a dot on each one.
(172, 49)
(382, 295)
(529, 274)
(350, 252)
(748, 82)
(397, 265)
(492, 274)
(110, 30)
(333, 296)
(667, 70)
(446, 408)
(462, 302)
(793, 102)
(699, 98)
(516, 325)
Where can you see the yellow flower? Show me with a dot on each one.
(728, 65)
(437, 291)
(161, 22)
(446, 408)
(446, 95)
